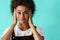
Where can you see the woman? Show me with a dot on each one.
(23, 11)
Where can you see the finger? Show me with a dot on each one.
(30, 13)
(15, 15)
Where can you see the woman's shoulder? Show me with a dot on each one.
(5, 31)
(40, 31)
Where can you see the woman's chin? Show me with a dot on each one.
(22, 22)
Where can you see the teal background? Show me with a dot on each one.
(47, 16)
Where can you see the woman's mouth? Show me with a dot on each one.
(22, 19)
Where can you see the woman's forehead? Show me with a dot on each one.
(21, 8)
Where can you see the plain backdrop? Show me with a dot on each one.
(47, 16)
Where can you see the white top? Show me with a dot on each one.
(28, 32)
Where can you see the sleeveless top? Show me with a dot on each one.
(30, 37)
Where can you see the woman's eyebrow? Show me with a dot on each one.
(24, 11)
(18, 10)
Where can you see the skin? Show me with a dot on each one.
(24, 16)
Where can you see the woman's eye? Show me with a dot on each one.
(26, 13)
(19, 13)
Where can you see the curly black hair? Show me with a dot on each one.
(28, 3)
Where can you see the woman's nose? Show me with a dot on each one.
(22, 15)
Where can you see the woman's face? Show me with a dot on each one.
(22, 13)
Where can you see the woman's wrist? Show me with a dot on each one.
(13, 25)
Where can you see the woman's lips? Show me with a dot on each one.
(22, 19)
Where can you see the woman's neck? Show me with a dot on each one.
(23, 27)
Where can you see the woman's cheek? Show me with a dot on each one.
(17, 17)
(27, 17)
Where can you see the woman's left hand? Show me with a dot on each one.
(30, 19)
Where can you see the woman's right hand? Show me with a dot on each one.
(14, 18)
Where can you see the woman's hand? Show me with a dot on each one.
(30, 19)
(14, 18)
